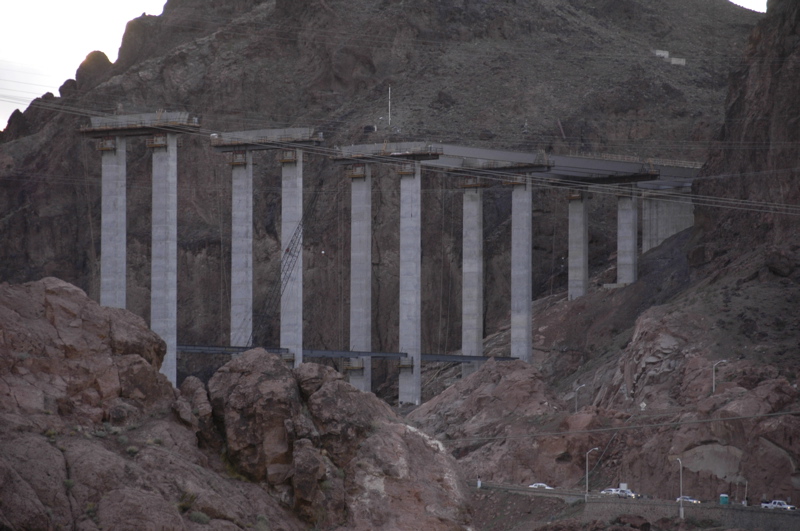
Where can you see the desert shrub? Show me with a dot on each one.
(262, 524)
(186, 501)
(199, 517)
(91, 510)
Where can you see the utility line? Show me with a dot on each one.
(534, 179)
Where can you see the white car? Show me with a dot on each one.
(687, 499)
(627, 493)
(610, 490)
(778, 504)
(540, 486)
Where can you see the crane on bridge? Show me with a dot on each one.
(287, 266)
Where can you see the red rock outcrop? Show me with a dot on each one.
(339, 456)
(66, 359)
(92, 436)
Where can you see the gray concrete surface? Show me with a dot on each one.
(164, 259)
(410, 326)
(627, 238)
(578, 259)
(521, 271)
(113, 231)
(472, 283)
(291, 336)
(242, 252)
(361, 278)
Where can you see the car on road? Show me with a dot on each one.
(610, 490)
(687, 499)
(778, 504)
(540, 486)
(627, 493)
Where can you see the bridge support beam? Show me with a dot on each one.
(521, 271)
(291, 217)
(360, 374)
(164, 259)
(410, 326)
(627, 238)
(472, 283)
(113, 232)
(578, 260)
(242, 250)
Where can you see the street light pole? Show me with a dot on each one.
(576, 396)
(714, 375)
(680, 499)
(586, 497)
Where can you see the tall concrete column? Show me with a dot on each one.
(164, 259)
(242, 251)
(521, 271)
(649, 222)
(683, 212)
(113, 232)
(687, 211)
(291, 217)
(472, 289)
(627, 238)
(410, 341)
(361, 278)
(578, 267)
(662, 218)
(665, 220)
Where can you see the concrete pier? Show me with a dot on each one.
(360, 373)
(113, 232)
(241, 249)
(472, 283)
(112, 132)
(164, 261)
(578, 260)
(521, 271)
(627, 238)
(663, 217)
(240, 145)
(291, 229)
(410, 326)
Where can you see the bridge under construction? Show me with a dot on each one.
(661, 185)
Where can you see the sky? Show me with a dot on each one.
(42, 42)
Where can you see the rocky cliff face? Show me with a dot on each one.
(754, 158)
(93, 437)
(558, 76)
(697, 360)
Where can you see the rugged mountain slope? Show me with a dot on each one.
(725, 293)
(527, 75)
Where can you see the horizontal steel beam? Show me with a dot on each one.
(311, 353)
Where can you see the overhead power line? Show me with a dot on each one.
(500, 176)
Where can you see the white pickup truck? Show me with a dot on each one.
(778, 504)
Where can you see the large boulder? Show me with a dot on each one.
(338, 456)
(61, 352)
(92, 436)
